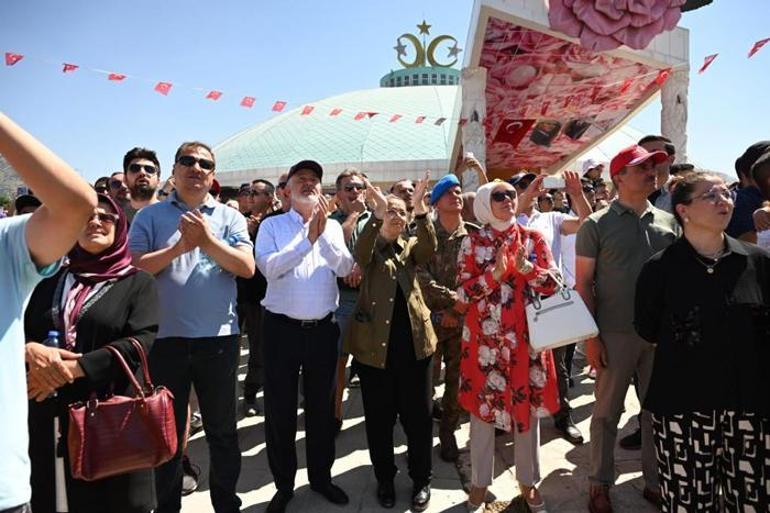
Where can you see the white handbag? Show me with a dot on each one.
(558, 320)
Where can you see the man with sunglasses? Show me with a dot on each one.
(142, 171)
(195, 247)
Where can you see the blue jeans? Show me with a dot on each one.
(210, 364)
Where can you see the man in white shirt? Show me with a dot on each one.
(301, 256)
(553, 225)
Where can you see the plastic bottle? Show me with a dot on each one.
(52, 340)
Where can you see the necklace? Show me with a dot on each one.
(716, 257)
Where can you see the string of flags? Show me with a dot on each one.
(753, 51)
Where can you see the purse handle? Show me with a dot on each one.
(127, 370)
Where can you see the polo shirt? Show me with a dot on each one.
(18, 277)
(621, 242)
(197, 297)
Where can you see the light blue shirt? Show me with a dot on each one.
(18, 277)
(197, 297)
(301, 277)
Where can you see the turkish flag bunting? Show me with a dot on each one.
(307, 109)
(544, 108)
(439, 121)
(68, 68)
(360, 116)
(214, 95)
(12, 58)
(248, 102)
(754, 49)
(463, 121)
(115, 77)
(395, 117)
(419, 119)
(335, 112)
(626, 85)
(707, 62)
(163, 87)
(278, 106)
(662, 76)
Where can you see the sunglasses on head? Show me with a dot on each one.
(105, 217)
(116, 184)
(147, 168)
(355, 186)
(190, 161)
(500, 196)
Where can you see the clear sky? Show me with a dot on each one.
(295, 50)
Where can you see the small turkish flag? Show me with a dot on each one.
(335, 112)
(68, 68)
(248, 102)
(395, 117)
(707, 62)
(754, 49)
(214, 95)
(163, 87)
(278, 106)
(662, 76)
(115, 77)
(360, 116)
(12, 58)
(419, 119)
(307, 109)
(626, 86)
(512, 131)
(463, 121)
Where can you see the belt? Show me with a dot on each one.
(304, 324)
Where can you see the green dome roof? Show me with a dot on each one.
(274, 145)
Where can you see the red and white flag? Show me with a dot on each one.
(307, 109)
(360, 116)
(335, 112)
(279, 106)
(69, 68)
(754, 49)
(395, 117)
(163, 88)
(214, 95)
(248, 101)
(707, 62)
(116, 77)
(663, 76)
(419, 119)
(12, 58)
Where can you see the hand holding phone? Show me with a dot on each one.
(553, 182)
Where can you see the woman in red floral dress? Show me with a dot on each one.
(503, 384)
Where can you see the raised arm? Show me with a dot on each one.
(427, 243)
(67, 199)
(580, 204)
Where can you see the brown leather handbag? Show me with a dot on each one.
(122, 434)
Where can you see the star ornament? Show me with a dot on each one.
(424, 28)
(400, 48)
(455, 50)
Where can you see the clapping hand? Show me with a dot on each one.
(318, 220)
(522, 264)
(501, 263)
(195, 229)
(420, 189)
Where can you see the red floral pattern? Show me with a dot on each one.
(501, 382)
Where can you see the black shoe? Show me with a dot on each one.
(337, 427)
(332, 493)
(279, 502)
(569, 430)
(386, 494)
(632, 442)
(250, 408)
(421, 498)
(449, 451)
(190, 474)
(438, 411)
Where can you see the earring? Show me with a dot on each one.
(686, 219)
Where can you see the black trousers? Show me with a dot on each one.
(210, 364)
(288, 348)
(402, 390)
(250, 317)
(700, 452)
(563, 359)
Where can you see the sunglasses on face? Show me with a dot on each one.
(147, 168)
(500, 196)
(190, 161)
(715, 195)
(105, 217)
(354, 187)
(116, 184)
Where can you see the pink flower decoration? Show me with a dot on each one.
(606, 24)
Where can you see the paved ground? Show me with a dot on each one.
(564, 467)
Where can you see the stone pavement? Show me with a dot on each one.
(564, 467)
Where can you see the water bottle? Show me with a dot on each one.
(52, 340)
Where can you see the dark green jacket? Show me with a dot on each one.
(383, 268)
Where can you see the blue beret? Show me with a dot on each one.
(444, 184)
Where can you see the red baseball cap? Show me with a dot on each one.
(633, 156)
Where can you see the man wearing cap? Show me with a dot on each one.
(438, 282)
(553, 226)
(195, 247)
(612, 245)
(301, 256)
(26, 204)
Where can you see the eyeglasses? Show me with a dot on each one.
(116, 184)
(147, 168)
(500, 196)
(190, 161)
(355, 187)
(716, 194)
(105, 217)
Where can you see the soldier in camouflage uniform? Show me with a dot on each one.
(438, 281)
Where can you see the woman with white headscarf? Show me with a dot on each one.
(503, 384)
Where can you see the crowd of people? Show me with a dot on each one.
(403, 279)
